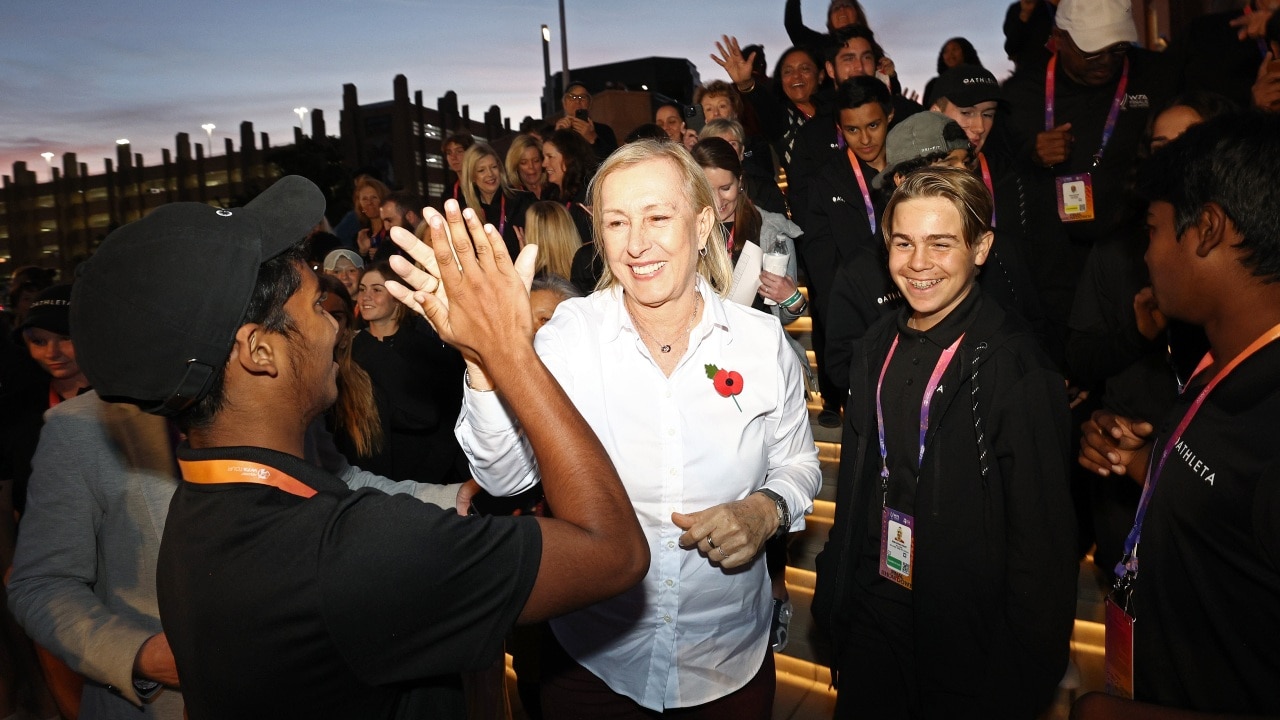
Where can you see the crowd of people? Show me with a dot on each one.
(254, 465)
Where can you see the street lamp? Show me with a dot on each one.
(548, 97)
(209, 128)
(301, 112)
(564, 49)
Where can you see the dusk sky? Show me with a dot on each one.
(77, 76)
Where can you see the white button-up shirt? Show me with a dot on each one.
(690, 632)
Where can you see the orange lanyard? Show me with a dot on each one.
(220, 472)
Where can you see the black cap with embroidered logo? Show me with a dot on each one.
(967, 85)
(51, 310)
(155, 310)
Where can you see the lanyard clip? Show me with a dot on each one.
(1097, 160)
(1122, 591)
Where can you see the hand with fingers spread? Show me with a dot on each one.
(737, 66)
(730, 534)
(470, 291)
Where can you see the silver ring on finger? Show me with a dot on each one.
(723, 555)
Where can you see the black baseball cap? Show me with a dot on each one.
(51, 310)
(967, 85)
(155, 310)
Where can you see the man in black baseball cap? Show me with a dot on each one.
(282, 592)
(969, 95)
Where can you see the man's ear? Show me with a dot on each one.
(256, 350)
(982, 248)
(1214, 228)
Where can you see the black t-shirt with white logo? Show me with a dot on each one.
(1207, 595)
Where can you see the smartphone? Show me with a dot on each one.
(581, 114)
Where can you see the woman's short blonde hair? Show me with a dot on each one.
(548, 225)
(518, 146)
(714, 266)
(723, 126)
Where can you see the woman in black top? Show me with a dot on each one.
(486, 189)
(417, 382)
(570, 163)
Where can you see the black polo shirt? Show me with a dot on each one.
(338, 605)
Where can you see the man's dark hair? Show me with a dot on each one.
(278, 279)
(1232, 161)
(678, 107)
(967, 51)
(461, 138)
(320, 245)
(648, 131)
(951, 132)
(760, 66)
(858, 91)
(841, 37)
(406, 201)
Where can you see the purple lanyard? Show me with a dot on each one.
(1129, 565)
(862, 185)
(502, 214)
(929, 389)
(1050, 81)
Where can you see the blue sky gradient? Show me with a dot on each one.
(76, 76)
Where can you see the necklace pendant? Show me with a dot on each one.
(665, 348)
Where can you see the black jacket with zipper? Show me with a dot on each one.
(994, 593)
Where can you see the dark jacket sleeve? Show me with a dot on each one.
(852, 310)
(800, 35)
(770, 111)
(1029, 428)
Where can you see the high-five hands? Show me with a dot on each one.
(467, 288)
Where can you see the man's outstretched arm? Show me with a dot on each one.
(477, 300)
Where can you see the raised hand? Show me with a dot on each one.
(467, 288)
(731, 59)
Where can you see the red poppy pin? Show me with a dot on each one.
(728, 382)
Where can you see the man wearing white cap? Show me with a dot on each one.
(1075, 127)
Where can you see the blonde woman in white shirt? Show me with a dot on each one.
(698, 402)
